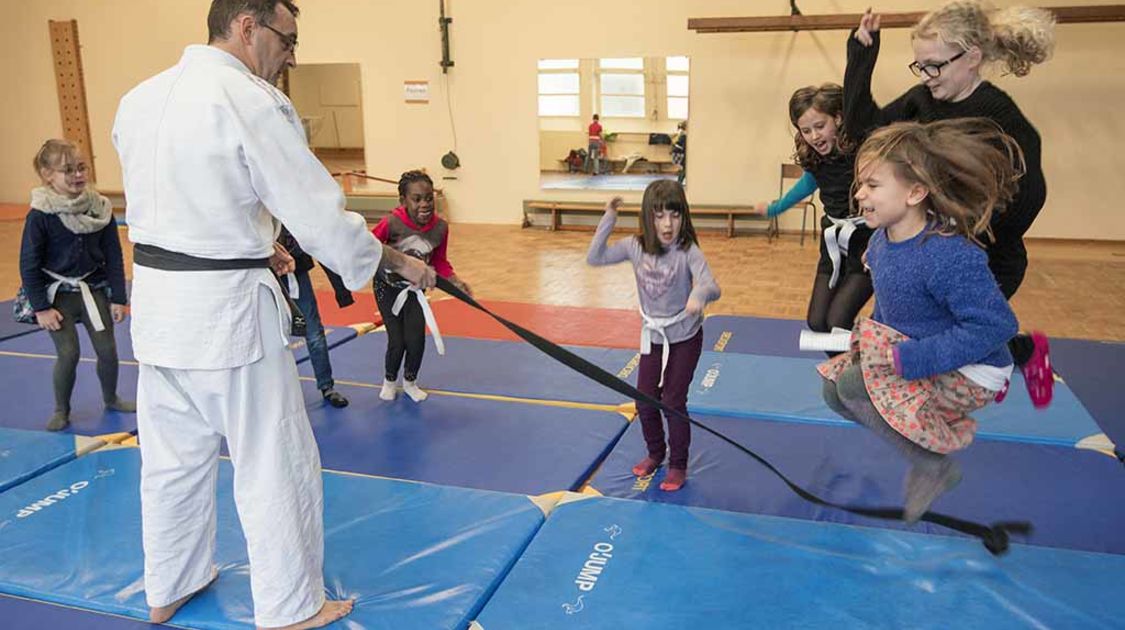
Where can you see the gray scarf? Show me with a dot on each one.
(85, 214)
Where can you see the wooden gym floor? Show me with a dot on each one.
(1072, 289)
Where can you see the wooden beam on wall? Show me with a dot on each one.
(71, 87)
(848, 21)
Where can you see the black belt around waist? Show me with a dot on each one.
(167, 260)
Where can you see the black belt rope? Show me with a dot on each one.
(995, 536)
(167, 260)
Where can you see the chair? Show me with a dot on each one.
(794, 172)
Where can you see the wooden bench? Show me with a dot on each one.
(731, 213)
(617, 165)
(643, 165)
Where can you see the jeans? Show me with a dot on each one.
(314, 333)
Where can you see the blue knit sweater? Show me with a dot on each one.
(938, 291)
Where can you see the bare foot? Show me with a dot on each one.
(332, 610)
(164, 613)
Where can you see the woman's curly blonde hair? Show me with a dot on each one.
(1016, 37)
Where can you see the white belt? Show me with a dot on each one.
(427, 313)
(294, 288)
(836, 238)
(87, 295)
(987, 376)
(658, 326)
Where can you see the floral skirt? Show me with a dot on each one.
(931, 412)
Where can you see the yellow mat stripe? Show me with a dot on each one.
(627, 410)
(31, 355)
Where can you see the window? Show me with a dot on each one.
(622, 63)
(676, 64)
(677, 80)
(558, 87)
(621, 87)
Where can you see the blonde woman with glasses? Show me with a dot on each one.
(953, 45)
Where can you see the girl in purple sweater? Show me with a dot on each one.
(936, 348)
(674, 284)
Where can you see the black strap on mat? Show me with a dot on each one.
(995, 536)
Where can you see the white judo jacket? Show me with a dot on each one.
(206, 147)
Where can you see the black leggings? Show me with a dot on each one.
(406, 332)
(838, 307)
(1008, 266)
(68, 350)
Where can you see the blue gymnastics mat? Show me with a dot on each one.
(789, 389)
(25, 454)
(480, 366)
(1093, 371)
(468, 442)
(412, 555)
(29, 400)
(602, 563)
(9, 328)
(25, 614)
(753, 335)
(42, 344)
(1074, 498)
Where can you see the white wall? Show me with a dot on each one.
(740, 84)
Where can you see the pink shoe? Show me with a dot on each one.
(1003, 393)
(645, 467)
(674, 480)
(1037, 373)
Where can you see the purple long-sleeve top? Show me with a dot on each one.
(664, 282)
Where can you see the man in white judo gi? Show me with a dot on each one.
(206, 147)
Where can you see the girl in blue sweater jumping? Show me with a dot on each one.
(936, 348)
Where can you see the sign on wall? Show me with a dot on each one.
(416, 91)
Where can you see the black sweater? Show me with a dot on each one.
(833, 177)
(48, 244)
(862, 115)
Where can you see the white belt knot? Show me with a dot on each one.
(427, 313)
(651, 326)
(836, 238)
(87, 295)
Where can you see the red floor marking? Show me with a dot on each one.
(568, 325)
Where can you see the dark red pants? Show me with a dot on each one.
(682, 360)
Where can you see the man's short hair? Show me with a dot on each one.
(223, 13)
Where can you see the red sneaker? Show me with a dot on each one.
(1037, 373)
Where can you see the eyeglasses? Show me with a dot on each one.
(933, 70)
(288, 42)
(71, 169)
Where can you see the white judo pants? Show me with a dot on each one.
(182, 416)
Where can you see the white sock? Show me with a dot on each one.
(389, 390)
(411, 388)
